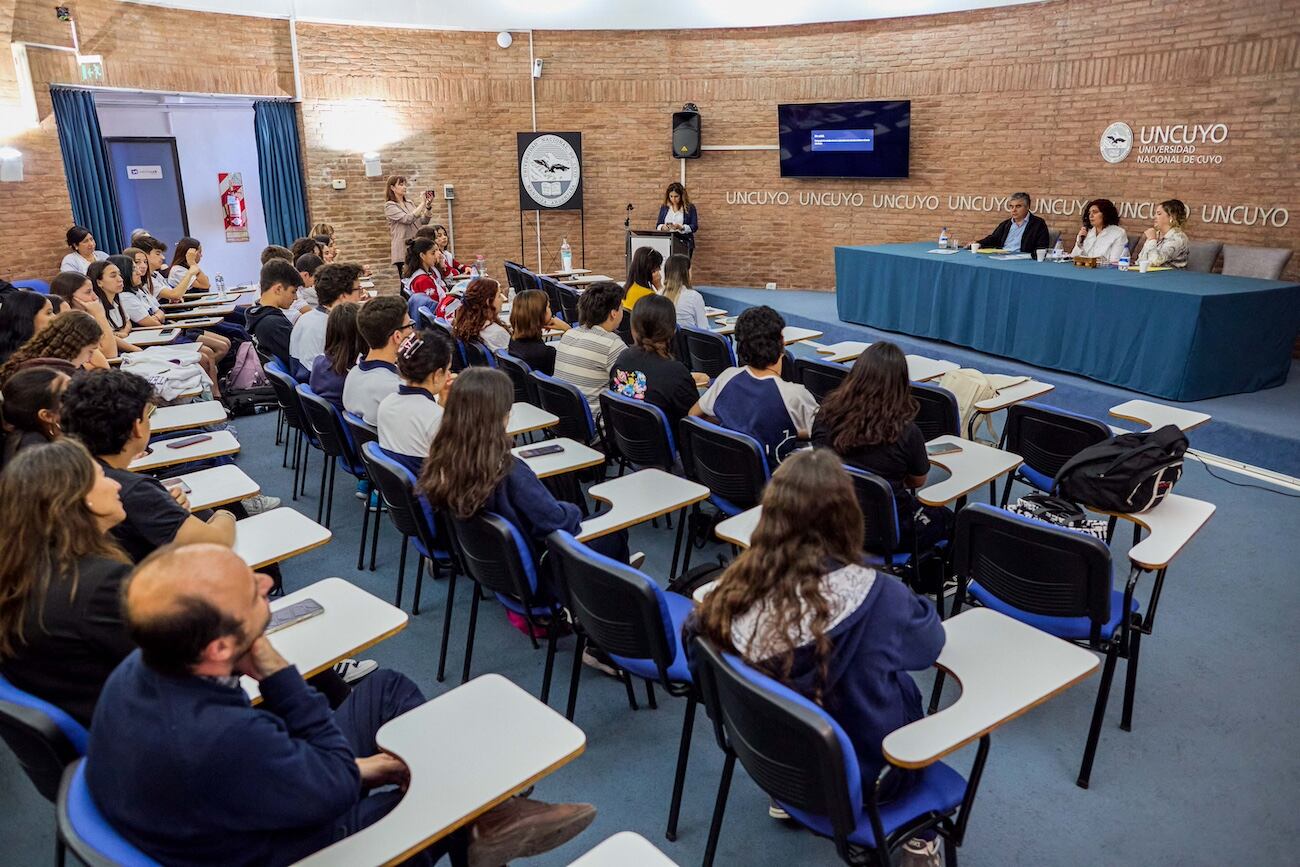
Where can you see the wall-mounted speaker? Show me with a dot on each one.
(686, 135)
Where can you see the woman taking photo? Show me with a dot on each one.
(799, 606)
(78, 293)
(530, 316)
(30, 413)
(61, 626)
(403, 217)
(1101, 235)
(677, 214)
(343, 346)
(69, 343)
(1166, 243)
(689, 304)
(82, 251)
(647, 371)
(478, 319)
(185, 275)
(869, 421)
(22, 315)
(644, 276)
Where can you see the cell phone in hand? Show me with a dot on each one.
(188, 441)
(291, 614)
(176, 482)
(552, 449)
(936, 449)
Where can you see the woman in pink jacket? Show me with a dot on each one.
(404, 218)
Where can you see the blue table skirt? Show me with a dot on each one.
(1172, 334)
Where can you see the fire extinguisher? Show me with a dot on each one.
(234, 216)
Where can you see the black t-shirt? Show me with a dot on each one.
(152, 517)
(893, 462)
(536, 353)
(664, 382)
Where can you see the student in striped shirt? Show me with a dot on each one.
(587, 353)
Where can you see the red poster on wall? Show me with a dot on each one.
(231, 185)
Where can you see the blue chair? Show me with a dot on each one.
(326, 422)
(938, 414)
(286, 395)
(554, 296)
(706, 352)
(35, 285)
(476, 354)
(1046, 437)
(801, 757)
(84, 830)
(361, 432)
(568, 303)
(729, 463)
(43, 737)
(821, 377)
(515, 277)
(517, 369)
(563, 399)
(495, 556)
(624, 613)
(1054, 579)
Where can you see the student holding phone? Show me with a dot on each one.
(404, 218)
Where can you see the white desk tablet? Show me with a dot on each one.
(1155, 415)
(468, 750)
(153, 336)
(352, 621)
(575, 456)
(571, 272)
(1171, 525)
(219, 310)
(218, 486)
(714, 311)
(738, 529)
(1004, 668)
(277, 535)
(1014, 394)
(187, 415)
(638, 497)
(845, 350)
(585, 279)
(625, 849)
(525, 417)
(975, 465)
(219, 442)
(922, 369)
(201, 322)
(175, 352)
(199, 301)
(789, 334)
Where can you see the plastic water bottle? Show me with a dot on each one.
(1123, 259)
(480, 269)
(1058, 252)
(221, 288)
(566, 256)
(943, 238)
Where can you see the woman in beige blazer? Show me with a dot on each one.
(404, 218)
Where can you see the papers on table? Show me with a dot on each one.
(1011, 256)
(947, 252)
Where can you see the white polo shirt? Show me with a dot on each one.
(367, 385)
(139, 305)
(408, 421)
(307, 340)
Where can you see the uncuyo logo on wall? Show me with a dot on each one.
(1116, 142)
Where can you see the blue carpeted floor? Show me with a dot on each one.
(1207, 777)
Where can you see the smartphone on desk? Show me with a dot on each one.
(553, 449)
(295, 613)
(188, 441)
(936, 449)
(176, 482)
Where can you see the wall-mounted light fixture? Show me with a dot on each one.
(504, 39)
(371, 161)
(11, 164)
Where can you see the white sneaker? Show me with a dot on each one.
(776, 812)
(260, 503)
(636, 560)
(352, 670)
(922, 853)
(591, 660)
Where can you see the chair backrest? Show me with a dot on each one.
(517, 369)
(792, 748)
(514, 276)
(359, 431)
(563, 399)
(35, 285)
(325, 421)
(730, 464)
(1135, 242)
(707, 352)
(1266, 263)
(938, 414)
(495, 554)
(286, 394)
(42, 737)
(477, 354)
(554, 296)
(530, 280)
(618, 607)
(1201, 255)
(1037, 567)
(1047, 437)
(426, 316)
(568, 304)
(639, 430)
(395, 486)
(821, 377)
(1053, 236)
(86, 832)
(879, 511)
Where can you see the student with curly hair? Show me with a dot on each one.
(478, 319)
(69, 343)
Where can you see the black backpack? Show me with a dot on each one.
(1128, 473)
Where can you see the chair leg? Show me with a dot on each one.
(1130, 678)
(374, 537)
(1006, 492)
(650, 695)
(469, 638)
(446, 627)
(551, 639)
(329, 497)
(297, 464)
(677, 546)
(320, 498)
(949, 852)
(401, 569)
(631, 694)
(690, 538)
(683, 755)
(719, 807)
(935, 693)
(1098, 715)
(419, 582)
(575, 675)
(365, 528)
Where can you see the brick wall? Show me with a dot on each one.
(1002, 99)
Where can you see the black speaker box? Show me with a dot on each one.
(686, 135)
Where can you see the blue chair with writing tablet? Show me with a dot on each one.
(517, 369)
(43, 737)
(938, 414)
(83, 829)
(706, 352)
(821, 377)
(1046, 437)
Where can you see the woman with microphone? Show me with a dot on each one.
(404, 218)
(677, 214)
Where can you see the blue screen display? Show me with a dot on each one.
(854, 140)
(845, 139)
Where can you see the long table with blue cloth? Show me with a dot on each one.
(1173, 334)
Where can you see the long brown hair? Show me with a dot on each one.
(51, 532)
(677, 276)
(65, 337)
(676, 187)
(475, 311)
(654, 324)
(470, 454)
(528, 314)
(874, 403)
(393, 180)
(810, 518)
(343, 340)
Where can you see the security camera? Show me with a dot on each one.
(690, 106)
(537, 68)
(63, 13)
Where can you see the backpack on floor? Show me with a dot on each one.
(1130, 472)
(246, 390)
(1058, 511)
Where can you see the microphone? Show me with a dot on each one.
(629, 206)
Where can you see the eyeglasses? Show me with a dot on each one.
(149, 410)
(407, 326)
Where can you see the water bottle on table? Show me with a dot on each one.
(1123, 259)
(943, 238)
(1058, 252)
(221, 288)
(566, 256)
(480, 269)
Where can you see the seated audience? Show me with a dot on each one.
(156, 273)
(470, 468)
(643, 276)
(383, 324)
(144, 310)
(647, 371)
(586, 354)
(419, 277)
(109, 412)
(478, 319)
(340, 282)
(270, 327)
(188, 771)
(343, 347)
(69, 343)
(83, 253)
(409, 418)
(78, 293)
(307, 266)
(1101, 235)
(185, 274)
(754, 399)
(107, 282)
(33, 400)
(689, 303)
(1022, 232)
(303, 247)
(799, 606)
(530, 316)
(1166, 243)
(328, 250)
(447, 264)
(275, 251)
(22, 315)
(869, 421)
(61, 627)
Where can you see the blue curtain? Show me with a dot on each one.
(86, 165)
(279, 164)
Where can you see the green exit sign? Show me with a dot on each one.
(92, 67)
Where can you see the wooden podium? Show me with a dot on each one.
(667, 243)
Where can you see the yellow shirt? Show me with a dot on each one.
(634, 294)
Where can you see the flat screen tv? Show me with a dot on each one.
(845, 139)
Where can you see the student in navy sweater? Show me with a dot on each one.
(266, 320)
(186, 769)
(343, 346)
(798, 605)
